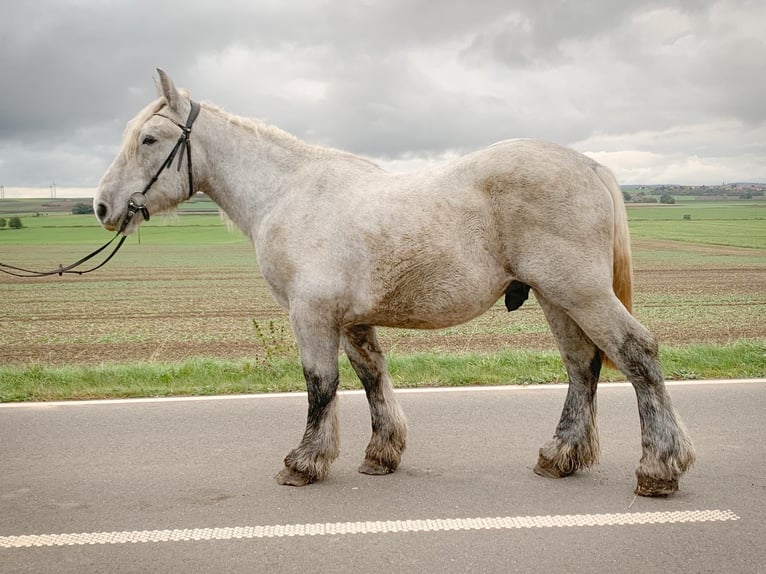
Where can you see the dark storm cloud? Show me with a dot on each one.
(655, 89)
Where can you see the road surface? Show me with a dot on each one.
(187, 485)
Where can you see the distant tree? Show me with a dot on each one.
(3, 222)
(15, 223)
(626, 196)
(667, 199)
(82, 209)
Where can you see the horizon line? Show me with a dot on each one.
(62, 192)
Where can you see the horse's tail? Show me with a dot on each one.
(622, 266)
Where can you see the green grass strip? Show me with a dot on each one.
(199, 376)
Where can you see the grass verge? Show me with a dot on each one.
(197, 376)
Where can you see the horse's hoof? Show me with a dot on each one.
(648, 486)
(374, 468)
(547, 468)
(289, 477)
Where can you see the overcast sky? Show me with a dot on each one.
(661, 92)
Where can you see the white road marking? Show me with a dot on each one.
(302, 394)
(377, 527)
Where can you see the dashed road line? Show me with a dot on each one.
(376, 527)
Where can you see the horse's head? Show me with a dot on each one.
(137, 183)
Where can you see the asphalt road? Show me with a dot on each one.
(188, 486)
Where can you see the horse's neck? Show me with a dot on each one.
(247, 166)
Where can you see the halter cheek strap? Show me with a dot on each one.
(184, 144)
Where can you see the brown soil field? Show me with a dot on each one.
(165, 304)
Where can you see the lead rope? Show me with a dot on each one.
(136, 204)
(69, 269)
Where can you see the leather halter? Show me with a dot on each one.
(136, 203)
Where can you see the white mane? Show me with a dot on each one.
(269, 133)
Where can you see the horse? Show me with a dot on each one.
(346, 246)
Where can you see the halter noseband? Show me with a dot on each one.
(137, 201)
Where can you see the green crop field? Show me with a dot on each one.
(186, 297)
(741, 210)
(732, 223)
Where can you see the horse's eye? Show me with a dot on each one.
(149, 140)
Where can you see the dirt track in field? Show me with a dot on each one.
(120, 316)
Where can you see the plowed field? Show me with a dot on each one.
(171, 302)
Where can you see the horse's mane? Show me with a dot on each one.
(279, 136)
(257, 127)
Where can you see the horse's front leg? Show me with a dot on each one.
(318, 341)
(389, 427)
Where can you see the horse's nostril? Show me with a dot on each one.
(101, 210)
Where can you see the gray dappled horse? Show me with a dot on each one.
(346, 246)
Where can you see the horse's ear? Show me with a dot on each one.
(168, 90)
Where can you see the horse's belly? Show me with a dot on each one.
(440, 303)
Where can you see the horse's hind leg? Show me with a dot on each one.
(389, 427)
(318, 343)
(575, 443)
(667, 450)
